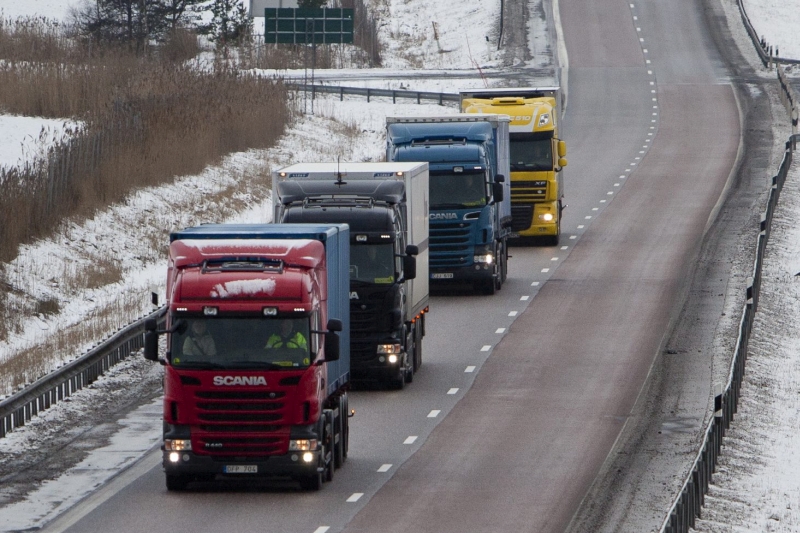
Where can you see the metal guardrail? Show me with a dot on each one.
(686, 508)
(764, 51)
(394, 94)
(20, 407)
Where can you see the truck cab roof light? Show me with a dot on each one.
(210, 311)
(299, 309)
(361, 238)
(270, 311)
(458, 169)
(179, 309)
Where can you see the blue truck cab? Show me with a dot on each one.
(470, 194)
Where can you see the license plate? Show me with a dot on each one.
(241, 469)
(443, 275)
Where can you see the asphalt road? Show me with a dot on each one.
(523, 395)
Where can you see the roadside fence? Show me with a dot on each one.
(21, 407)
(687, 506)
(394, 94)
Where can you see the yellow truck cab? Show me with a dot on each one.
(537, 156)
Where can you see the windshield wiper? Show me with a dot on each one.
(259, 364)
(200, 365)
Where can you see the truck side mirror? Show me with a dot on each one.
(331, 346)
(562, 162)
(409, 266)
(562, 149)
(334, 324)
(500, 178)
(154, 298)
(497, 191)
(151, 339)
(412, 249)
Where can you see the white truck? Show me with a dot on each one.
(386, 207)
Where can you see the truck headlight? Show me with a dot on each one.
(484, 258)
(302, 445)
(389, 348)
(177, 445)
(547, 217)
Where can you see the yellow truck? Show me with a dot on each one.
(537, 156)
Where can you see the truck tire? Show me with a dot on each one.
(176, 483)
(486, 286)
(329, 448)
(338, 436)
(417, 351)
(346, 425)
(399, 381)
(311, 483)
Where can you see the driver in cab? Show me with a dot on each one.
(289, 339)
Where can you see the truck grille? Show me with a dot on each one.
(255, 417)
(528, 191)
(450, 244)
(365, 320)
(521, 217)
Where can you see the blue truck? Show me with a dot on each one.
(470, 192)
(257, 365)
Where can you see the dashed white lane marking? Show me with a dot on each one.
(595, 209)
(603, 201)
(610, 193)
(524, 298)
(545, 270)
(565, 247)
(322, 529)
(385, 467)
(581, 226)
(355, 497)
(486, 347)
(452, 391)
(469, 369)
(573, 236)
(512, 313)
(588, 217)
(434, 413)
(536, 283)
(554, 259)
(410, 440)
(500, 330)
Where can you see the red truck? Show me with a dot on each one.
(257, 364)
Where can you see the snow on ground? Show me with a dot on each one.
(757, 486)
(22, 139)
(779, 22)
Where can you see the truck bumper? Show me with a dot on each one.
(289, 465)
(476, 271)
(536, 226)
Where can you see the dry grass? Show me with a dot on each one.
(145, 121)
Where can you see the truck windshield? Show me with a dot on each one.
(372, 263)
(242, 342)
(531, 153)
(455, 190)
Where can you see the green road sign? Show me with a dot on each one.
(306, 26)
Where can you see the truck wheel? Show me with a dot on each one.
(176, 482)
(311, 483)
(346, 426)
(330, 466)
(398, 382)
(338, 436)
(417, 354)
(487, 286)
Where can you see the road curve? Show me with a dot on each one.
(519, 452)
(518, 405)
